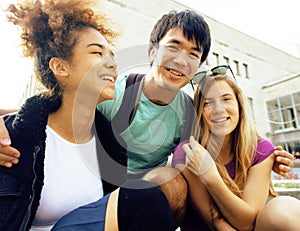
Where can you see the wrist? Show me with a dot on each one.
(211, 178)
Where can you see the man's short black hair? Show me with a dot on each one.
(192, 24)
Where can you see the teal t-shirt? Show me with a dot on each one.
(154, 132)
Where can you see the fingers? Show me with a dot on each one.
(285, 173)
(4, 136)
(280, 152)
(191, 159)
(8, 156)
(285, 164)
(279, 148)
(284, 158)
(199, 159)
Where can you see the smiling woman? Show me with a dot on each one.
(70, 45)
(218, 166)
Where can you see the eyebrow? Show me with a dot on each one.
(100, 46)
(178, 42)
(226, 94)
(96, 44)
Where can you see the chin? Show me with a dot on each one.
(218, 132)
(108, 96)
(169, 86)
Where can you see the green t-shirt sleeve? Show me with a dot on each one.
(110, 107)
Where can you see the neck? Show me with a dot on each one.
(226, 153)
(73, 121)
(156, 93)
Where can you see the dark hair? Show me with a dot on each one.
(192, 24)
(49, 29)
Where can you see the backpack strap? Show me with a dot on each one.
(127, 110)
(112, 153)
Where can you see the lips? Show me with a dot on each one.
(108, 78)
(220, 120)
(175, 72)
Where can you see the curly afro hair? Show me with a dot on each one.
(48, 29)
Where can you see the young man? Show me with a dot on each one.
(179, 44)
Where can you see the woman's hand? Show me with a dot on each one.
(199, 161)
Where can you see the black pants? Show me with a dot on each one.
(143, 206)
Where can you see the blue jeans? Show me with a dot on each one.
(89, 217)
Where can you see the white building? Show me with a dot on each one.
(265, 73)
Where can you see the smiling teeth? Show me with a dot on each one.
(109, 78)
(219, 120)
(176, 73)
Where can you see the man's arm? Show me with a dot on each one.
(283, 162)
(7, 111)
(8, 154)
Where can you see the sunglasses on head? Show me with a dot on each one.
(218, 70)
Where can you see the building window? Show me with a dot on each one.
(226, 59)
(236, 67)
(296, 102)
(297, 112)
(216, 59)
(284, 112)
(250, 100)
(292, 147)
(288, 118)
(246, 73)
(273, 105)
(275, 121)
(288, 115)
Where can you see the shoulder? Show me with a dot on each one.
(31, 120)
(186, 102)
(263, 150)
(186, 97)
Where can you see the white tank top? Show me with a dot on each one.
(72, 179)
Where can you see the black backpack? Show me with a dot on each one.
(109, 131)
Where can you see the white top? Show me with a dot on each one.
(72, 179)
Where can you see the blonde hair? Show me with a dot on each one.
(244, 138)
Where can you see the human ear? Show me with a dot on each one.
(152, 54)
(59, 67)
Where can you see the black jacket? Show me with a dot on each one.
(21, 185)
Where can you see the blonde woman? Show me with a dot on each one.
(229, 164)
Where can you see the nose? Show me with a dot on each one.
(181, 58)
(110, 62)
(219, 106)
